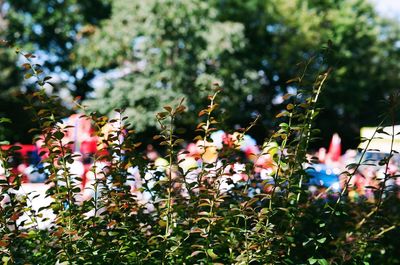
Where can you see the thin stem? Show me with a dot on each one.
(311, 117)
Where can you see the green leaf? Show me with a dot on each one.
(5, 260)
(5, 120)
(284, 125)
(323, 262)
(59, 135)
(312, 260)
(211, 253)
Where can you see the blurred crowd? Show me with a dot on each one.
(363, 174)
(330, 172)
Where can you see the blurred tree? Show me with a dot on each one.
(49, 28)
(12, 103)
(160, 50)
(142, 54)
(364, 54)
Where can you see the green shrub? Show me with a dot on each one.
(188, 218)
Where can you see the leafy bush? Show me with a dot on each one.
(135, 211)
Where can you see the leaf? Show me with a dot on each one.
(284, 125)
(290, 106)
(287, 96)
(203, 213)
(180, 109)
(59, 135)
(15, 216)
(162, 115)
(23, 235)
(296, 79)
(352, 166)
(28, 75)
(195, 253)
(156, 137)
(282, 114)
(162, 223)
(304, 105)
(28, 55)
(111, 223)
(202, 112)
(178, 141)
(211, 253)
(168, 108)
(323, 262)
(197, 138)
(380, 130)
(5, 260)
(5, 120)
(312, 260)
(27, 66)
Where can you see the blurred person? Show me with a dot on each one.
(365, 177)
(208, 151)
(189, 166)
(389, 175)
(232, 176)
(265, 166)
(334, 152)
(321, 155)
(151, 153)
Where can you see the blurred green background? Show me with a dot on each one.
(142, 55)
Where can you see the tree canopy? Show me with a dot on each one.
(141, 55)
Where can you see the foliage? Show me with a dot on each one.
(11, 97)
(258, 44)
(282, 33)
(50, 26)
(189, 217)
(163, 50)
(248, 47)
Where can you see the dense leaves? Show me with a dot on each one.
(134, 210)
